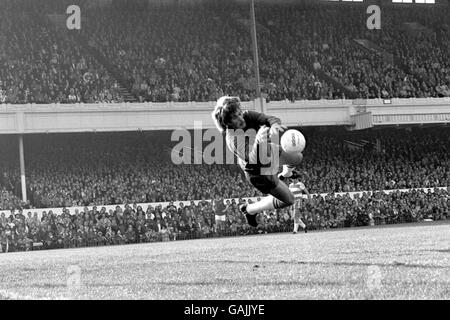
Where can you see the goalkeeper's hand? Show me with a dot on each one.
(276, 129)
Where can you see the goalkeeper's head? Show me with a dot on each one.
(228, 114)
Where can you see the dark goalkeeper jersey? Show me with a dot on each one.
(241, 142)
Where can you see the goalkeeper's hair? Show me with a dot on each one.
(225, 107)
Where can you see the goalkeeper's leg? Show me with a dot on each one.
(279, 196)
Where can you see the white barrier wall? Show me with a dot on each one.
(101, 117)
(144, 206)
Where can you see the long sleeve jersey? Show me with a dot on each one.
(242, 142)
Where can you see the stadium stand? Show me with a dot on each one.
(305, 53)
(114, 168)
(134, 225)
(138, 51)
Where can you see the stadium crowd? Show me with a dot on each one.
(168, 53)
(150, 48)
(38, 64)
(398, 65)
(106, 169)
(101, 169)
(186, 54)
(134, 224)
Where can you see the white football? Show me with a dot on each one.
(293, 141)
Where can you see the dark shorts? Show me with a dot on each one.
(263, 183)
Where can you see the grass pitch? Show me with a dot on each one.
(393, 262)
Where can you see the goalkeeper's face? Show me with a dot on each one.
(237, 120)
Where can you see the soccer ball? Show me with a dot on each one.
(292, 141)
